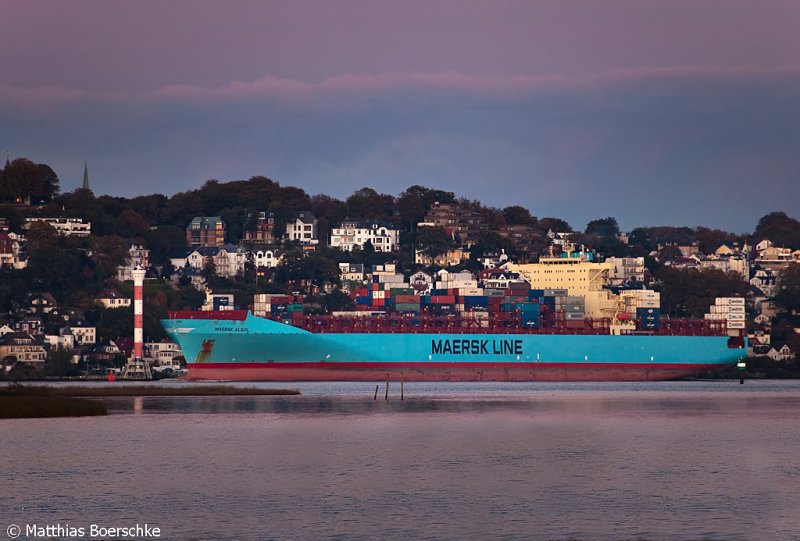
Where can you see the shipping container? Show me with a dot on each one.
(395, 291)
(556, 292)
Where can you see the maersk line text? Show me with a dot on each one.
(477, 347)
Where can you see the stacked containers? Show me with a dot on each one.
(649, 319)
(729, 309)
(529, 315)
(574, 308)
(270, 304)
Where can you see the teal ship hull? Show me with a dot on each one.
(257, 349)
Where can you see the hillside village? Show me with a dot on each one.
(66, 265)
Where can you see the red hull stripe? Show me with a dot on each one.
(426, 371)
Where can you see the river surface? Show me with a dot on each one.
(690, 460)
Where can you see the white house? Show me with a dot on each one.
(162, 353)
(138, 256)
(351, 234)
(84, 334)
(352, 272)
(111, 298)
(265, 258)
(65, 226)
(781, 354)
(228, 259)
(302, 228)
(63, 341)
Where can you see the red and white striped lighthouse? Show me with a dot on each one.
(138, 302)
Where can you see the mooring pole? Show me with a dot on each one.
(386, 396)
(376, 393)
(401, 386)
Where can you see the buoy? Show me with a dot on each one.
(110, 375)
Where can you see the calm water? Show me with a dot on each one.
(657, 461)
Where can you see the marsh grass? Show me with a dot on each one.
(140, 390)
(30, 406)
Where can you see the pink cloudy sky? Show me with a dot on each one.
(656, 112)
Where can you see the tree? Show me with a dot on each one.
(789, 288)
(14, 217)
(709, 240)
(411, 208)
(58, 363)
(517, 215)
(669, 252)
(604, 227)
(367, 204)
(133, 225)
(163, 241)
(491, 242)
(50, 182)
(430, 196)
(780, 229)
(21, 178)
(307, 271)
(41, 233)
(115, 322)
(434, 241)
(690, 292)
(337, 301)
(556, 224)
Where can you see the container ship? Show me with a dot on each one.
(518, 343)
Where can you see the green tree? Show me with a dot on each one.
(411, 207)
(22, 178)
(434, 241)
(603, 227)
(50, 182)
(780, 229)
(789, 288)
(491, 242)
(517, 215)
(115, 322)
(690, 292)
(367, 204)
(58, 363)
(337, 301)
(556, 224)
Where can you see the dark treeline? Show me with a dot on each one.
(74, 269)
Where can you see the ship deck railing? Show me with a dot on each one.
(500, 323)
(495, 323)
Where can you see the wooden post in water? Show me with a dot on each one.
(386, 396)
(401, 386)
(376, 393)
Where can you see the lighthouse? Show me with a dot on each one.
(136, 367)
(138, 304)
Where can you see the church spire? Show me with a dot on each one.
(85, 176)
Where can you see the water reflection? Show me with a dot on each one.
(639, 403)
(600, 462)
